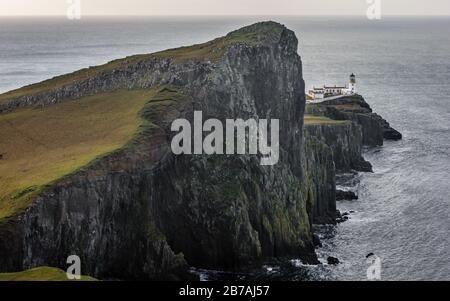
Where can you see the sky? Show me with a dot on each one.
(224, 7)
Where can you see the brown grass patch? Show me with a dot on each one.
(317, 120)
(41, 274)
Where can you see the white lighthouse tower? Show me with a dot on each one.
(352, 84)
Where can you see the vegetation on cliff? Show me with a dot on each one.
(41, 274)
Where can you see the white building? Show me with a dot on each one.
(319, 93)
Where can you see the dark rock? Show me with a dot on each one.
(363, 166)
(332, 260)
(345, 195)
(316, 241)
(369, 255)
(391, 134)
(341, 217)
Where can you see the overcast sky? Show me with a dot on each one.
(224, 7)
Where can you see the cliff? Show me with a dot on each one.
(140, 212)
(345, 140)
(336, 131)
(320, 181)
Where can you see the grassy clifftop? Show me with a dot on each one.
(41, 274)
(41, 145)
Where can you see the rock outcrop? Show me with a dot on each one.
(345, 141)
(355, 108)
(345, 195)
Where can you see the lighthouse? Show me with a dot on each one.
(319, 94)
(352, 84)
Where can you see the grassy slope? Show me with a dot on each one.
(39, 146)
(318, 120)
(41, 274)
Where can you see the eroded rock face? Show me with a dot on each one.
(145, 213)
(104, 214)
(320, 180)
(345, 141)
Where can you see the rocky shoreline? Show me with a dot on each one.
(144, 213)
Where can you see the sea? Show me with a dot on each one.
(402, 67)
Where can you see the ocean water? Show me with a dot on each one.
(402, 66)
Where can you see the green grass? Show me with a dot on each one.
(318, 120)
(41, 274)
(41, 145)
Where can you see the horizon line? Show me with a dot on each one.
(226, 15)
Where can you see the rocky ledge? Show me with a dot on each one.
(345, 195)
(354, 108)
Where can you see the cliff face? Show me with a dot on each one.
(335, 145)
(144, 213)
(320, 181)
(330, 149)
(103, 214)
(345, 141)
